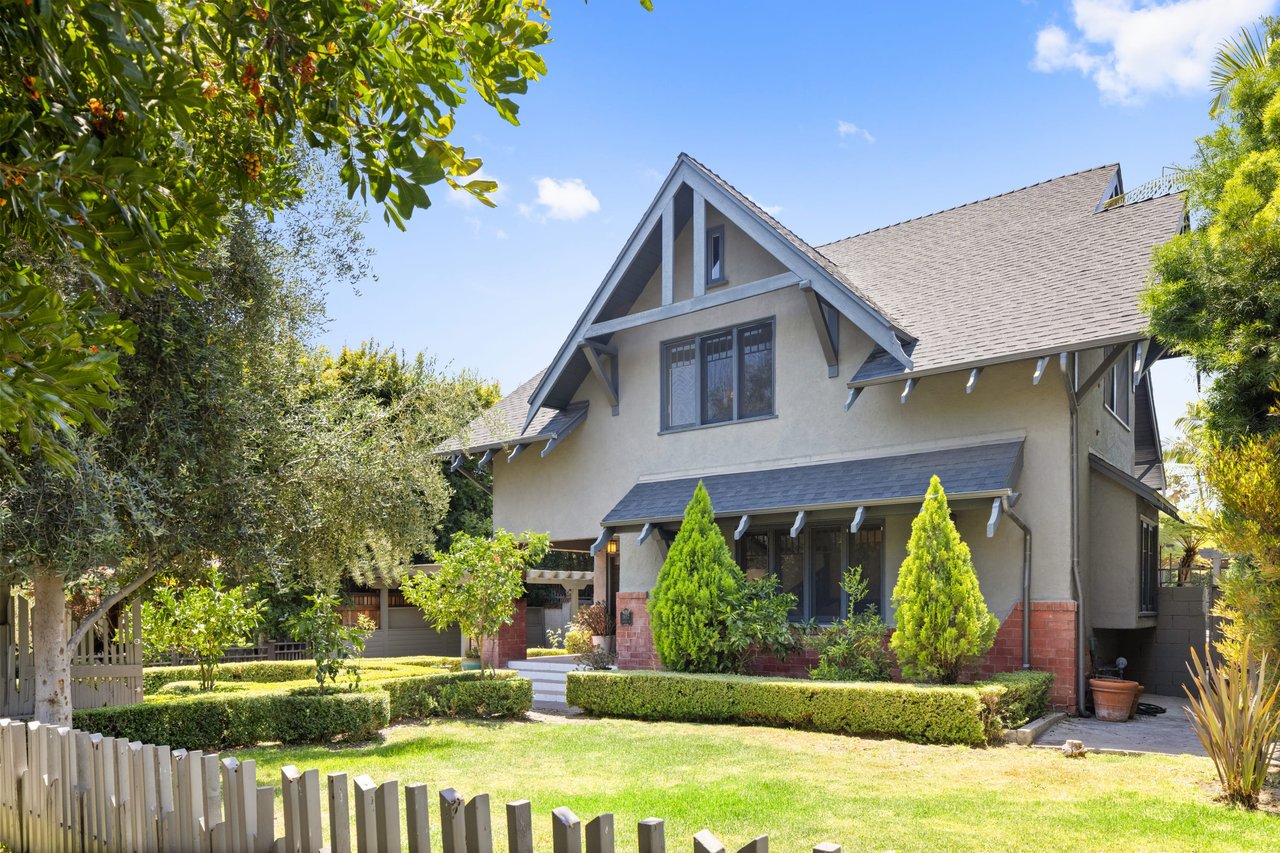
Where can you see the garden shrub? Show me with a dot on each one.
(577, 642)
(942, 621)
(925, 714)
(187, 688)
(543, 653)
(853, 648)
(460, 694)
(223, 721)
(688, 608)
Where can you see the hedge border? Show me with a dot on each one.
(304, 714)
(963, 714)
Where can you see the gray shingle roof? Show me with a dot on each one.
(500, 425)
(978, 469)
(790, 236)
(1029, 272)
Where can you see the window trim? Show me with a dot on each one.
(664, 398)
(712, 233)
(1148, 567)
(1113, 380)
(774, 532)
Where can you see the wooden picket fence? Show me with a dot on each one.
(68, 791)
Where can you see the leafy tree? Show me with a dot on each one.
(200, 621)
(1215, 292)
(478, 582)
(942, 620)
(130, 129)
(853, 648)
(691, 600)
(333, 644)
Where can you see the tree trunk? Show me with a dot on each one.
(52, 659)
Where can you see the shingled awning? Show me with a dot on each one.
(976, 471)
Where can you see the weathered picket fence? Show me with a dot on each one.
(68, 791)
(106, 665)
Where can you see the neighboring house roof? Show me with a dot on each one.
(501, 425)
(984, 470)
(1031, 272)
(1133, 484)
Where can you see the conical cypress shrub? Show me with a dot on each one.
(691, 600)
(942, 620)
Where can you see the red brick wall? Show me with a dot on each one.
(511, 642)
(793, 666)
(1053, 648)
(634, 643)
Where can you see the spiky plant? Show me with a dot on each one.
(1237, 718)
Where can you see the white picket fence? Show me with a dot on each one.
(67, 791)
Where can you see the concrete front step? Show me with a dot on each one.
(549, 678)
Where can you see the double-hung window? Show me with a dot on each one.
(1117, 390)
(718, 377)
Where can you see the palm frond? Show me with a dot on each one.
(1247, 51)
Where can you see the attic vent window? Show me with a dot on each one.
(715, 255)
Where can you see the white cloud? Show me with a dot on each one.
(567, 199)
(848, 128)
(1131, 48)
(501, 235)
(771, 209)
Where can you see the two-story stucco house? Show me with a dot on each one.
(815, 389)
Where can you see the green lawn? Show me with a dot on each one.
(800, 788)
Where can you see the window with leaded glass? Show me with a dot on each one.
(718, 377)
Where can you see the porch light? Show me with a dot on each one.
(611, 547)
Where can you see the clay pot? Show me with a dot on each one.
(602, 642)
(1114, 700)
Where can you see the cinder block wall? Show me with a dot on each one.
(1182, 622)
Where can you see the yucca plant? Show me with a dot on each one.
(1237, 718)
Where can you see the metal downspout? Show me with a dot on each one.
(1074, 408)
(1026, 579)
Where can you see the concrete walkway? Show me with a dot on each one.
(1169, 733)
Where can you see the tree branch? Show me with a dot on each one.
(101, 610)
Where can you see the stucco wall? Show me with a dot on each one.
(570, 491)
(1115, 515)
(745, 261)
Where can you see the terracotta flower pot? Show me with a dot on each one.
(1114, 699)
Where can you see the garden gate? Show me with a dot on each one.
(106, 665)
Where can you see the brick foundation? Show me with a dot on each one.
(511, 642)
(1053, 648)
(1053, 639)
(634, 644)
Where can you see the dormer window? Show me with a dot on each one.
(715, 256)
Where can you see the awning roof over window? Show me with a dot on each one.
(1138, 487)
(977, 471)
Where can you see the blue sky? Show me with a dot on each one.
(837, 117)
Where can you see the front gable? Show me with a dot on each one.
(662, 272)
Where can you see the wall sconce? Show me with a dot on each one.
(624, 618)
(611, 547)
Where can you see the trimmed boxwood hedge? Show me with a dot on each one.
(924, 714)
(270, 672)
(224, 720)
(458, 694)
(1016, 698)
(228, 718)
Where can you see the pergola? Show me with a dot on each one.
(573, 582)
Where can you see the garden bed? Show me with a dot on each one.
(964, 714)
(263, 701)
